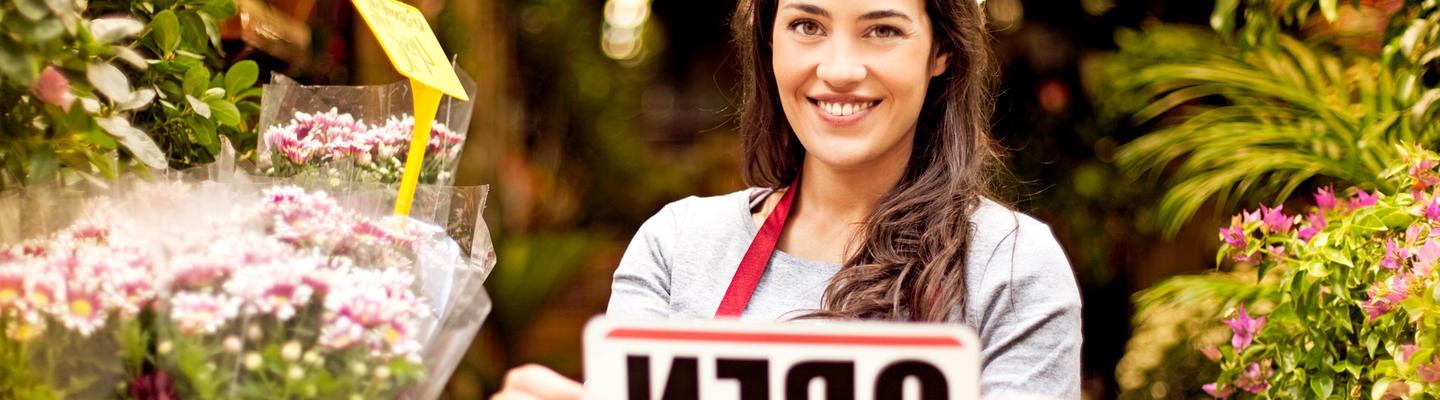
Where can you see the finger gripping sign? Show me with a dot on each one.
(671, 360)
(406, 37)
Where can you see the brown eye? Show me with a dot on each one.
(806, 28)
(885, 32)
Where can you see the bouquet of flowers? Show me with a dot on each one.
(354, 133)
(282, 292)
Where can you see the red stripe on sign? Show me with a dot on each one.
(784, 338)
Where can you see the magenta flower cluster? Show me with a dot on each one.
(334, 139)
(294, 252)
(1390, 243)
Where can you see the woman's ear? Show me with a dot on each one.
(939, 63)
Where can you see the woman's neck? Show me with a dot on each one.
(847, 195)
(830, 209)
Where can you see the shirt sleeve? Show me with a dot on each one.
(641, 287)
(1028, 317)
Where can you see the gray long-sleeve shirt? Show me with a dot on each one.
(1021, 296)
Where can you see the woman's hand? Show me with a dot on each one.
(535, 382)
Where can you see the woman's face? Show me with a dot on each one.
(852, 76)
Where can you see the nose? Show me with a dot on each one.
(843, 66)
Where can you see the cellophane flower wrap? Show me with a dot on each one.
(355, 133)
(1347, 299)
(239, 290)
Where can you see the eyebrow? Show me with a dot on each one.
(883, 14)
(873, 15)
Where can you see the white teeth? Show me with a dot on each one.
(845, 109)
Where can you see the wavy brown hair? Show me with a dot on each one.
(911, 260)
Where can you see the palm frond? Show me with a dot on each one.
(1263, 122)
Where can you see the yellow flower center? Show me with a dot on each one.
(40, 299)
(8, 295)
(25, 332)
(81, 307)
(392, 335)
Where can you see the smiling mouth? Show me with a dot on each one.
(843, 108)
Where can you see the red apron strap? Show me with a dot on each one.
(752, 267)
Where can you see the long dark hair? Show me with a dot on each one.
(910, 263)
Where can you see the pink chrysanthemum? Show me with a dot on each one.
(202, 313)
(83, 311)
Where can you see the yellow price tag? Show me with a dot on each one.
(410, 44)
(416, 54)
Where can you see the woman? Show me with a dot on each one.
(879, 109)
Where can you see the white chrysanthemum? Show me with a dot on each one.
(277, 288)
(202, 313)
(83, 310)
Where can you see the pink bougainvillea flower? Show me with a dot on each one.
(1254, 215)
(52, 88)
(1211, 352)
(1384, 296)
(1217, 391)
(1424, 177)
(1256, 378)
(1275, 220)
(1234, 236)
(1427, 256)
(1325, 198)
(1252, 258)
(1432, 210)
(1244, 328)
(1316, 223)
(1277, 250)
(1395, 255)
(1406, 351)
(1430, 371)
(1364, 199)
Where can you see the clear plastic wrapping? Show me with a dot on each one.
(238, 287)
(355, 133)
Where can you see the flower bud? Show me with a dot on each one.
(312, 358)
(252, 361)
(382, 372)
(291, 351)
(294, 373)
(164, 347)
(233, 345)
(358, 368)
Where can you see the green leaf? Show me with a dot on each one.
(166, 28)
(200, 107)
(136, 141)
(224, 112)
(108, 30)
(1222, 19)
(241, 76)
(249, 93)
(204, 132)
(109, 81)
(16, 65)
(197, 79)
(219, 9)
(33, 10)
(1322, 386)
(1377, 392)
(44, 163)
(1328, 7)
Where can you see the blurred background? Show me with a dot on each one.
(592, 114)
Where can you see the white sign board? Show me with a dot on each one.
(732, 360)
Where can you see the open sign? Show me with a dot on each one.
(691, 360)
